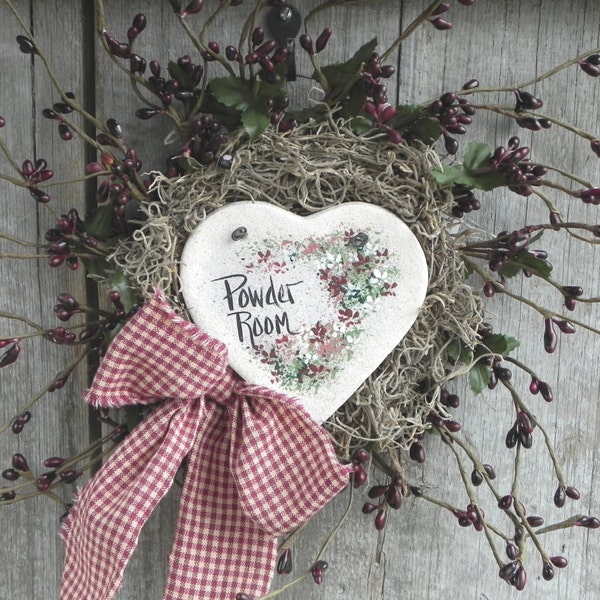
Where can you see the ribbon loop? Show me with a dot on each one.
(257, 466)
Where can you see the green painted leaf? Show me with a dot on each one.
(479, 377)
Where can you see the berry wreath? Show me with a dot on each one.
(257, 101)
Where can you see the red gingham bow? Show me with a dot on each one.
(249, 452)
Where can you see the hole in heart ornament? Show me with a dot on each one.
(309, 306)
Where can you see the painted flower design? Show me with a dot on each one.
(354, 281)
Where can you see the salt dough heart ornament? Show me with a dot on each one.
(309, 306)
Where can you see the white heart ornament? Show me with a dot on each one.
(309, 306)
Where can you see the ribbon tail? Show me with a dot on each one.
(218, 551)
(103, 530)
(283, 461)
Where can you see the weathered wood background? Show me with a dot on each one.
(422, 553)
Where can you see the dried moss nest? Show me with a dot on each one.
(305, 171)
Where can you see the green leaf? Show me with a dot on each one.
(526, 261)
(250, 102)
(457, 174)
(425, 129)
(255, 121)
(352, 105)
(448, 176)
(479, 377)
(180, 75)
(232, 92)
(98, 222)
(475, 171)
(477, 156)
(411, 119)
(459, 352)
(361, 124)
(187, 163)
(339, 74)
(121, 283)
(498, 343)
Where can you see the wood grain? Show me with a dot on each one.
(422, 553)
(31, 553)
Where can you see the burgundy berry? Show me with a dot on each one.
(546, 391)
(19, 462)
(560, 496)
(559, 561)
(284, 563)
(307, 43)
(368, 508)
(322, 40)
(491, 473)
(441, 24)
(588, 522)
(547, 571)
(535, 521)
(380, 520)
(476, 477)
(10, 474)
(550, 337)
(361, 456)
(317, 571)
(512, 551)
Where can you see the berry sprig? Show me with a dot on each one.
(57, 472)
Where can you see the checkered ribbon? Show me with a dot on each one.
(257, 467)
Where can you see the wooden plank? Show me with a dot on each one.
(59, 423)
(422, 552)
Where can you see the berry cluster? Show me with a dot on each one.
(320, 43)
(388, 496)
(521, 432)
(266, 54)
(94, 333)
(34, 174)
(465, 199)
(516, 166)
(377, 105)
(59, 470)
(57, 112)
(473, 515)
(67, 240)
(440, 23)
(120, 185)
(203, 145)
(452, 114)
